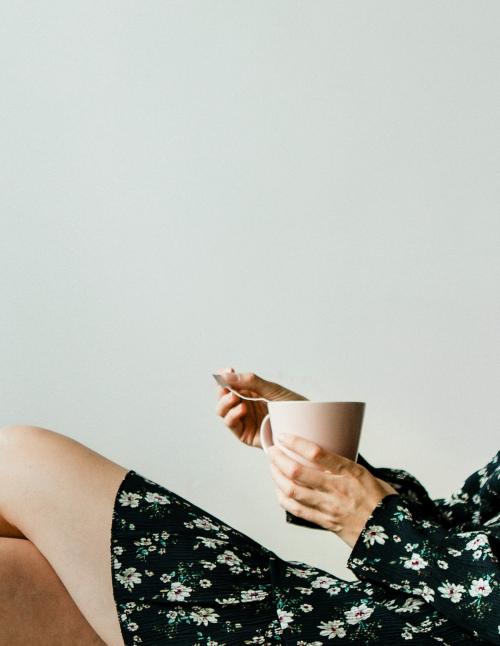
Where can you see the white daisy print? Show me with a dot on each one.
(204, 616)
(285, 617)
(426, 592)
(416, 562)
(253, 595)
(205, 523)
(229, 558)
(212, 543)
(158, 498)
(208, 564)
(375, 534)
(303, 574)
(129, 577)
(477, 541)
(227, 601)
(358, 613)
(479, 588)
(451, 591)
(129, 499)
(332, 629)
(411, 605)
(178, 591)
(322, 582)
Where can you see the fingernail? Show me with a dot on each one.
(231, 376)
(284, 437)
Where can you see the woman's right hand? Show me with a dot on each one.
(244, 417)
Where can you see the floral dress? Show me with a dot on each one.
(428, 572)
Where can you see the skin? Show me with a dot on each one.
(35, 607)
(56, 502)
(59, 495)
(334, 492)
(244, 417)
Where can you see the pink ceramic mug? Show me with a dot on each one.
(336, 426)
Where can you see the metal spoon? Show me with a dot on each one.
(222, 382)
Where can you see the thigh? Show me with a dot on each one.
(35, 607)
(60, 495)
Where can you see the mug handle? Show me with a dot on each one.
(266, 433)
(267, 440)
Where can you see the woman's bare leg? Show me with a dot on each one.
(8, 530)
(35, 607)
(59, 494)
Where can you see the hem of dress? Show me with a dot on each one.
(275, 564)
(114, 527)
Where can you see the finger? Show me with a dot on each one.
(223, 372)
(233, 419)
(315, 453)
(293, 490)
(308, 476)
(303, 511)
(225, 403)
(247, 380)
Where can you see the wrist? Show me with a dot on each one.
(351, 533)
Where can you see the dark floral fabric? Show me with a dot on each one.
(427, 572)
(444, 551)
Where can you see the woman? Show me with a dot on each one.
(114, 557)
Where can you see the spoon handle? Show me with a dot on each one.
(221, 381)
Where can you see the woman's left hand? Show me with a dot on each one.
(336, 493)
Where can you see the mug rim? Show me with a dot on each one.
(308, 401)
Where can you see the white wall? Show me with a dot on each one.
(306, 190)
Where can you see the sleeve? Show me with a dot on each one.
(455, 568)
(475, 499)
